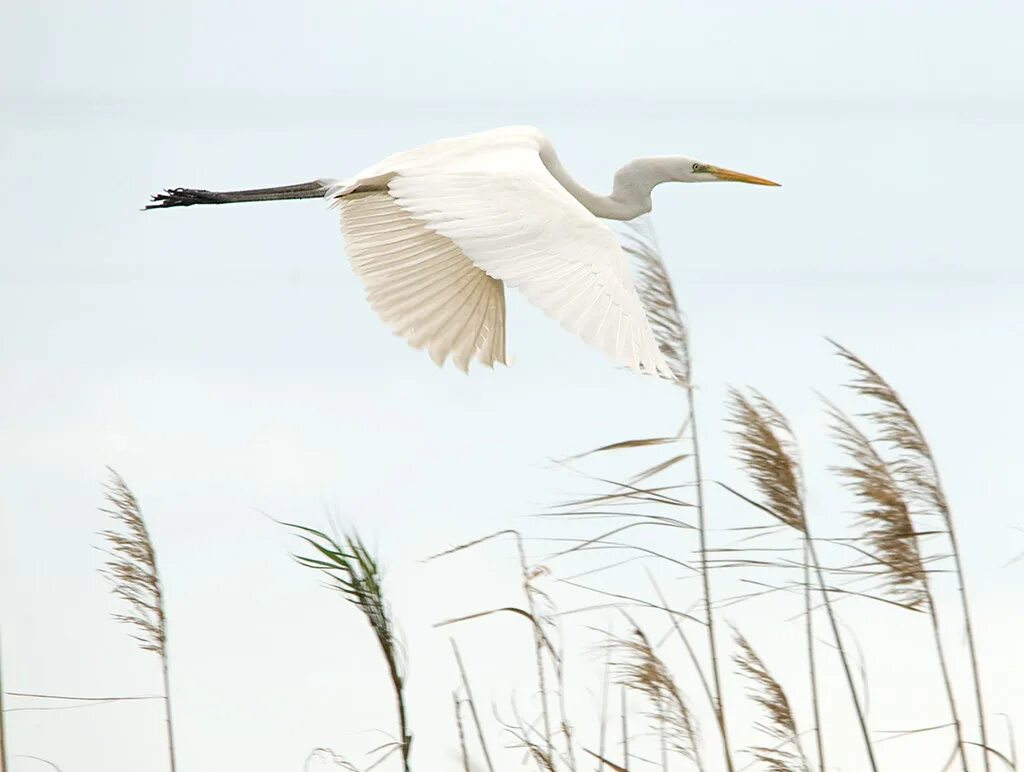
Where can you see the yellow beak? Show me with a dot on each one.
(731, 176)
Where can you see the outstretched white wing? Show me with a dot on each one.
(421, 284)
(491, 204)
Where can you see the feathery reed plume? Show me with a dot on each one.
(132, 572)
(767, 449)
(884, 516)
(891, 538)
(914, 466)
(654, 289)
(352, 570)
(643, 671)
(918, 475)
(781, 725)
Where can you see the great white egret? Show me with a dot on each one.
(435, 233)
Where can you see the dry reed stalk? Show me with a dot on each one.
(602, 734)
(352, 570)
(625, 727)
(891, 539)
(557, 661)
(605, 762)
(329, 755)
(812, 666)
(781, 726)
(548, 752)
(472, 706)
(767, 450)
(522, 732)
(918, 475)
(1011, 742)
(654, 288)
(541, 643)
(705, 572)
(672, 616)
(462, 732)
(3, 735)
(40, 759)
(134, 579)
(643, 671)
(544, 760)
(539, 638)
(566, 726)
(663, 742)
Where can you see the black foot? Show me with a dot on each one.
(184, 197)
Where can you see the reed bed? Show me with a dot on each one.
(655, 510)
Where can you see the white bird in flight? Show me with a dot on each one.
(435, 233)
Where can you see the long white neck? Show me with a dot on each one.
(631, 192)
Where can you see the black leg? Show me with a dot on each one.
(191, 196)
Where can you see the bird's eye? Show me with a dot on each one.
(695, 168)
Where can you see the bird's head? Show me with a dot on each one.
(688, 170)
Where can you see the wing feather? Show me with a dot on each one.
(421, 284)
(520, 226)
(436, 232)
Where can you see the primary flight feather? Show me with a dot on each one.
(437, 232)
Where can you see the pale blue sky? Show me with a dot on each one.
(225, 362)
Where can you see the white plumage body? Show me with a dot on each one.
(436, 232)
